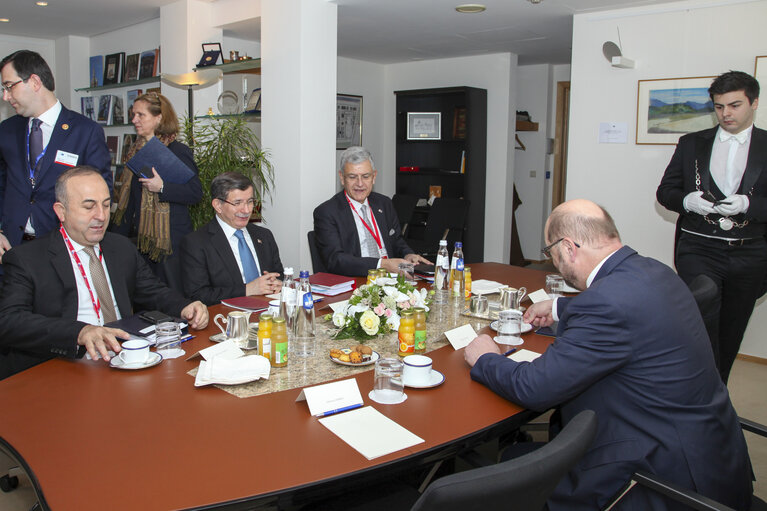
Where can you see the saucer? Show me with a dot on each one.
(371, 395)
(153, 360)
(436, 379)
(526, 327)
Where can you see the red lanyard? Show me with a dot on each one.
(376, 235)
(73, 254)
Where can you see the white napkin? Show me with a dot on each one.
(232, 372)
(484, 287)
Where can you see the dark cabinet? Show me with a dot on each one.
(462, 144)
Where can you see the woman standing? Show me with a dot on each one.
(154, 211)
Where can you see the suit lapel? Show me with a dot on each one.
(117, 276)
(62, 265)
(383, 227)
(757, 155)
(348, 226)
(58, 138)
(263, 257)
(703, 145)
(224, 250)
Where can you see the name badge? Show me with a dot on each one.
(65, 158)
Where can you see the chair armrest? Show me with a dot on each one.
(685, 496)
(753, 427)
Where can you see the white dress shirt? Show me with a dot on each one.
(735, 149)
(85, 311)
(362, 232)
(589, 280)
(234, 244)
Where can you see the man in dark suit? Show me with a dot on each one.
(36, 146)
(632, 347)
(717, 182)
(60, 290)
(349, 240)
(229, 256)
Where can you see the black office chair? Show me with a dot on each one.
(314, 251)
(404, 205)
(447, 221)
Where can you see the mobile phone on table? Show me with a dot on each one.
(155, 317)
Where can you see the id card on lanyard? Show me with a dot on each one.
(373, 230)
(73, 253)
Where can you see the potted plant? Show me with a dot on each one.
(226, 144)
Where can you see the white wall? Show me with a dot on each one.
(9, 44)
(492, 72)
(685, 39)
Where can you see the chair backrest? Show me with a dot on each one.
(447, 219)
(172, 274)
(707, 297)
(404, 205)
(523, 483)
(317, 264)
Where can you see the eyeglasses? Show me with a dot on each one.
(546, 251)
(238, 203)
(8, 86)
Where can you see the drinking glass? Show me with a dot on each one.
(554, 285)
(388, 387)
(168, 336)
(407, 270)
(509, 327)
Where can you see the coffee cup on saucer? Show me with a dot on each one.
(417, 370)
(135, 351)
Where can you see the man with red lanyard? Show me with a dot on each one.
(357, 229)
(60, 290)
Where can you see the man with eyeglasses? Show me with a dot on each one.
(36, 146)
(633, 348)
(357, 229)
(229, 256)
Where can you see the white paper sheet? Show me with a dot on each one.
(539, 296)
(381, 436)
(524, 356)
(461, 337)
(484, 287)
(332, 397)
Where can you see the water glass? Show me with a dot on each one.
(509, 327)
(168, 336)
(554, 285)
(388, 387)
(407, 270)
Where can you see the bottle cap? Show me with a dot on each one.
(288, 271)
(442, 243)
(458, 244)
(304, 274)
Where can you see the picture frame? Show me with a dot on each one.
(211, 54)
(254, 102)
(668, 108)
(760, 73)
(348, 121)
(424, 126)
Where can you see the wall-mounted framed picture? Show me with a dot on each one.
(348, 121)
(760, 73)
(424, 126)
(671, 107)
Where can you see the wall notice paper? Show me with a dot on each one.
(613, 132)
(382, 435)
(538, 296)
(331, 398)
(524, 356)
(461, 337)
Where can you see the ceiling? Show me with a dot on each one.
(382, 31)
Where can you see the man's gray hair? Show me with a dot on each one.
(582, 228)
(61, 182)
(355, 155)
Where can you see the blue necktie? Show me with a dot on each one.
(249, 266)
(35, 141)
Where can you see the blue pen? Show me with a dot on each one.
(343, 409)
(512, 350)
(187, 338)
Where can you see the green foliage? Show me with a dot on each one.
(221, 145)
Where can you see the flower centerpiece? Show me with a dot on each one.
(375, 309)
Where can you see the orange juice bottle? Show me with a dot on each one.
(265, 335)
(406, 334)
(467, 280)
(419, 329)
(279, 347)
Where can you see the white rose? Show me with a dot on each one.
(339, 319)
(370, 322)
(393, 321)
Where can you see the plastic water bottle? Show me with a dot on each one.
(441, 276)
(288, 300)
(305, 337)
(457, 278)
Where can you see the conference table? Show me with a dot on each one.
(93, 437)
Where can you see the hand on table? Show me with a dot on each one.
(98, 340)
(4, 246)
(154, 183)
(539, 314)
(416, 259)
(196, 314)
(266, 284)
(479, 346)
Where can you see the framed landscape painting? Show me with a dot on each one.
(671, 107)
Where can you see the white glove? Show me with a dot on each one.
(732, 205)
(697, 204)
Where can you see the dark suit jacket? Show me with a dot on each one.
(679, 180)
(38, 303)
(179, 196)
(210, 269)
(337, 239)
(74, 134)
(633, 348)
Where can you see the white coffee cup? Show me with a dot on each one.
(135, 351)
(417, 370)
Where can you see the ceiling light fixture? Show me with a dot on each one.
(470, 8)
(4, 20)
(534, 2)
(41, 4)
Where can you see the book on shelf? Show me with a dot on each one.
(117, 111)
(148, 64)
(113, 68)
(128, 140)
(130, 97)
(104, 115)
(330, 284)
(131, 67)
(113, 143)
(86, 107)
(96, 76)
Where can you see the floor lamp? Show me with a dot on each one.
(194, 80)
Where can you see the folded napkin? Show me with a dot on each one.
(485, 287)
(232, 372)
